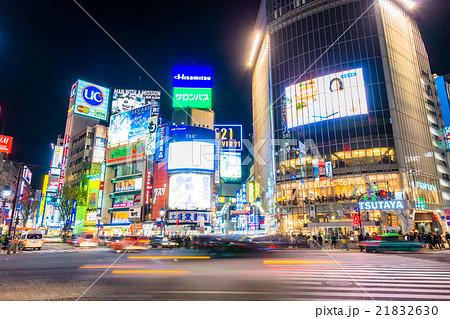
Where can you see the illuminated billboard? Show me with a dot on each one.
(191, 155)
(230, 166)
(127, 100)
(198, 98)
(90, 100)
(190, 192)
(441, 86)
(160, 189)
(327, 97)
(128, 125)
(230, 136)
(57, 160)
(192, 77)
(5, 143)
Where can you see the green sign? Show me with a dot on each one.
(127, 151)
(192, 97)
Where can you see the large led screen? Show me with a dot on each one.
(194, 155)
(230, 166)
(127, 100)
(128, 125)
(91, 100)
(190, 192)
(192, 97)
(327, 97)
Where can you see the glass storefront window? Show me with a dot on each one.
(130, 168)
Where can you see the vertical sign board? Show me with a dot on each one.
(148, 187)
(162, 134)
(27, 175)
(57, 160)
(328, 169)
(441, 87)
(151, 139)
(100, 190)
(63, 164)
(5, 144)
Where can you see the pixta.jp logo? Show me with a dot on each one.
(92, 95)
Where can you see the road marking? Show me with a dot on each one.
(105, 267)
(150, 271)
(169, 257)
(303, 262)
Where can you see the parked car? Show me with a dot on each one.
(128, 243)
(389, 243)
(31, 239)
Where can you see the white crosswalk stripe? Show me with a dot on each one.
(356, 282)
(53, 251)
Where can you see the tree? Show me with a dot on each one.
(29, 210)
(66, 197)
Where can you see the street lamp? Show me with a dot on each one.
(162, 214)
(6, 192)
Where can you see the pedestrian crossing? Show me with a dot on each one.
(55, 251)
(361, 282)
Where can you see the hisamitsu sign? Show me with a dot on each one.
(382, 205)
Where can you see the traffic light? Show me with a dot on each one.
(356, 219)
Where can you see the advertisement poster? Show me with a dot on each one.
(150, 145)
(230, 166)
(190, 191)
(57, 160)
(5, 143)
(129, 125)
(191, 155)
(127, 100)
(327, 97)
(197, 98)
(90, 100)
(160, 189)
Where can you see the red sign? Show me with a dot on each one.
(159, 189)
(137, 200)
(148, 187)
(5, 143)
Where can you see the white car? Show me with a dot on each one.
(31, 239)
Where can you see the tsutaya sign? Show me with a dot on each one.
(382, 205)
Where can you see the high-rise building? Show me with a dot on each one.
(342, 97)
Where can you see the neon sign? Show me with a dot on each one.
(382, 205)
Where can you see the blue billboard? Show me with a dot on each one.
(188, 133)
(192, 77)
(129, 125)
(445, 105)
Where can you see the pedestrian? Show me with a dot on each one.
(344, 242)
(320, 240)
(360, 239)
(187, 242)
(429, 240)
(333, 241)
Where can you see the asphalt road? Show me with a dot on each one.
(59, 272)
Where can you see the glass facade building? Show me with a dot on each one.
(342, 103)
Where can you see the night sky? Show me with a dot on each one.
(45, 46)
